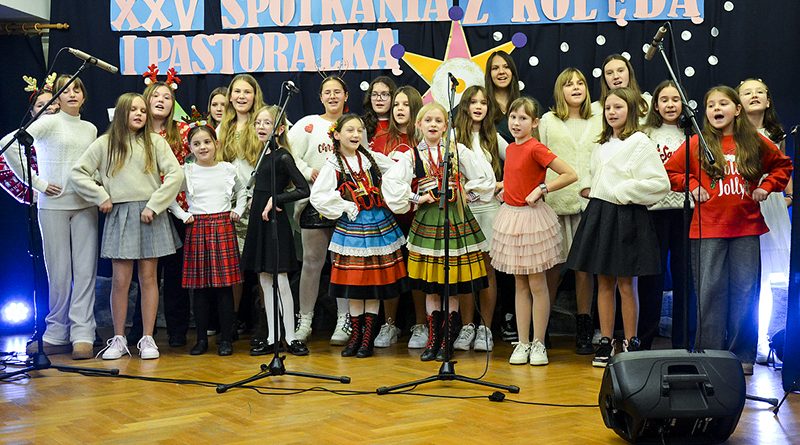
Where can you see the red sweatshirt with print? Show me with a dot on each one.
(730, 211)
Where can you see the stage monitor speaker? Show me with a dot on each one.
(673, 396)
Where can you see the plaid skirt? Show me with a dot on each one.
(211, 253)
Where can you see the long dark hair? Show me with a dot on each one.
(654, 119)
(370, 117)
(772, 124)
(513, 87)
(632, 83)
(337, 127)
(487, 133)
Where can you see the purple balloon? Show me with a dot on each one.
(456, 13)
(519, 40)
(397, 51)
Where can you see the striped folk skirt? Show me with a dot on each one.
(211, 253)
(367, 258)
(467, 271)
(526, 239)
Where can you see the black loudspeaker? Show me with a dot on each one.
(673, 396)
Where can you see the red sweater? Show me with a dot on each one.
(730, 211)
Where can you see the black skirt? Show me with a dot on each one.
(259, 246)
(615, 240)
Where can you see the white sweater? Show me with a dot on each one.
(60, 140)
(310, 143)
(130, 183)
(628, 172)
(668, 139)
(573, 148)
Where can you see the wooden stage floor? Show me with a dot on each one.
(62, 408)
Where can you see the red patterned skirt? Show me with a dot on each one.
(211, 252)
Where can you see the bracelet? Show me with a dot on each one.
(543, 186)
(414, 198)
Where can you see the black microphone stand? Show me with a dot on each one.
(690, 125)
(38, 361)
(276, 366)
(447, 371)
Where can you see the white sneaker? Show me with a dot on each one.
(303, 331)
(521, 353)
(465, 338)
(388, 335)
(419, 336)
(116, 347)
(483, 339)
(596, 337)
(538, 354)
(341, 332)
(147, 348)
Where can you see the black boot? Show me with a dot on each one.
(434, 336)
(356, 328)
(368, 339)
(583, 334)
(455, 327)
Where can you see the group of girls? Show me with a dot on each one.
(586, 186)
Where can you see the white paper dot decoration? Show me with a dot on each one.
(521, 85)
(689, 71)
(601, 40)
(728, 6)
(626, 55)
(364, 85)
(714, 32)
(596, 73)
(497, 36)
(645, 48)
(686, 35)
(564, 47)
(533, 61)
(693, 104)
(713, 60)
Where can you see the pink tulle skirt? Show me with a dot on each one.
(526, 239)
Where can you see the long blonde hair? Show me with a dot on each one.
(748, 142)
(560, 107)
(120, 136)
(247, 143)
(173, 136)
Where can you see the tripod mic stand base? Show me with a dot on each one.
(38, 361)
(276, 368)
(447, 372)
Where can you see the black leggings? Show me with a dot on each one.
(223, 296)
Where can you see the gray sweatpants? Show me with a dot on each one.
(70, 256)
(727, 280)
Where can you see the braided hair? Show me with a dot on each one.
(336, 127)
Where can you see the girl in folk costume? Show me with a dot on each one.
(398, 138)
(260, 246)
(474, 128)
(661, 127)
(211, 253)
(128, 160)
(569, 130)
(67, 221)
(727, 194)
(378, 106)
(368, 263)
(775, 244)
(311, 146)
(160, 99)
(527, 240)
(39, 97)
(216, 106)
(426, 239)
(616, 239)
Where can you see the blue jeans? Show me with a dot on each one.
(727, 275)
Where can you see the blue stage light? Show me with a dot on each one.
(15, 312)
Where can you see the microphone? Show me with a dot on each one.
(651, 52)
(93, 60)
(453, 79)
(289, 85)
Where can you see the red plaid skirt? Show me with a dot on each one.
(211, 252)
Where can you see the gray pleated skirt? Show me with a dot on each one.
(126, 237)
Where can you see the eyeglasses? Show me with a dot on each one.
(259, 124)
(382, 95)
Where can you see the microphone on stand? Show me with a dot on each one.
(453, 79)
(651, 52)
(93, 60)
